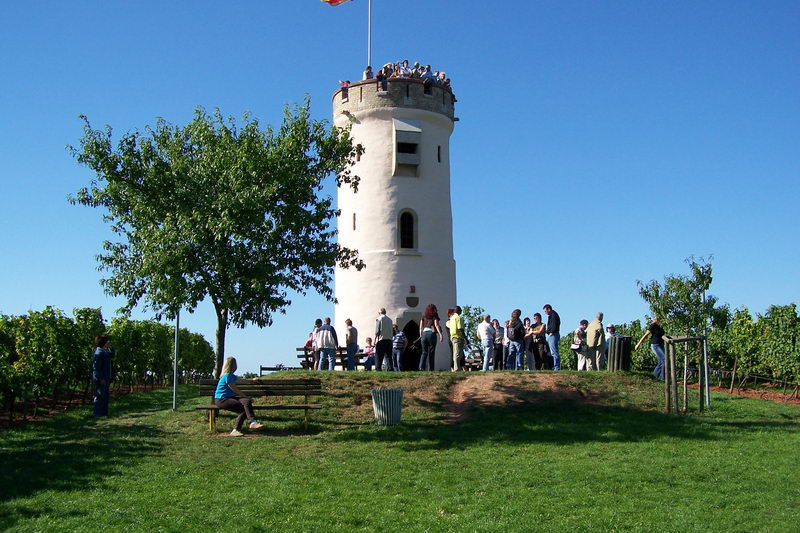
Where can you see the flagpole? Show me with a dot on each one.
(369, 33)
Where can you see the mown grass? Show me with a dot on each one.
(546, 464)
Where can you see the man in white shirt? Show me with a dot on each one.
(486, 335)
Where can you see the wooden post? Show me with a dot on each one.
(667, 388)
(674, 379)
(686, 377)
(701, 378)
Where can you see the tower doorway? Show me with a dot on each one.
(413, 350)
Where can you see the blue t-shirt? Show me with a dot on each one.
(223, 391)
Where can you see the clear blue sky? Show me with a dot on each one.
(599, 143)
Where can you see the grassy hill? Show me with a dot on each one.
(497, 452)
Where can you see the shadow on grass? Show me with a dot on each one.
(548, 417)
(74, 452)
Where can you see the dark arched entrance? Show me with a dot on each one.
(413, 349)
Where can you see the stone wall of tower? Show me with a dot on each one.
(402, 280)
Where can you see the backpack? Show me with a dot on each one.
(513, 332)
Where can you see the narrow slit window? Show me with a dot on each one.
(439, 153)
(354, 221)
(361, 94)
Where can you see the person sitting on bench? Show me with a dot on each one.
(228, 397)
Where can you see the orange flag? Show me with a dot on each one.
(335, 2)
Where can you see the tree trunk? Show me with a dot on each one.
(222, 327)
(733, 376)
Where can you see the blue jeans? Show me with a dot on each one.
(488, 349)
(428, 345)
(552, 343)
(327, 358)
(352, 348)
(369, 362)
(658, 372)
(514, 355)
(397, 359)
(101, 397)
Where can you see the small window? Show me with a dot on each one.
(439, 153)
(407, 230)
(345, 94)
(354, 221)
(361, 94)
(406, 148)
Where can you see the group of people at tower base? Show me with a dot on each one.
(518, 344)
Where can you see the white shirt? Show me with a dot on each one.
(486, 331)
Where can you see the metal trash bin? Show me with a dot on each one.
(388, 405)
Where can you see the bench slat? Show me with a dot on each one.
(264, 407)
(260, 393)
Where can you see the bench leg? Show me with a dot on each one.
(212, 419)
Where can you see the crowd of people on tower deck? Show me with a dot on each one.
(424, 73)
(518, 344)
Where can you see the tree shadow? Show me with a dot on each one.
(74, 452)
(548, 417)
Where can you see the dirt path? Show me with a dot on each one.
(506, 389)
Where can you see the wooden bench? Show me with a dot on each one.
(307, 356)
(257, 388)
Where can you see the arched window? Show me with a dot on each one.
(408, 230)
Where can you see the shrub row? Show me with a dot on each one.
(48, 353)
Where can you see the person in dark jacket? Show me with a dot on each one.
(101, 374)
(553, 334)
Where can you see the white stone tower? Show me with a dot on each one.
(400, 220)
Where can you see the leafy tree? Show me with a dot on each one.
(214, 210)
(678, 302)
(472, 315)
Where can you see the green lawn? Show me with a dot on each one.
(546, 464)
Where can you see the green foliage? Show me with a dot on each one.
(219, 211)
(781, 346)
(45, 352)
(472, 315)
(679, 302)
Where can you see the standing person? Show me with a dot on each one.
(458, 338)
(543, 361)
(101, 374)
(383, 340)
(516, 335)
(528, 344)
(595, 340)
(611, 331)
(429, 329)
(369, 352)
(399, 342)
(579, 345)
(327, 342)
(553, 334)
(498, 362)
(314, 347)
(368, 75)
(486, 334)
(351, 343)
(230, 398)
(656, 334)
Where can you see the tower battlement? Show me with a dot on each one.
(401, 92)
